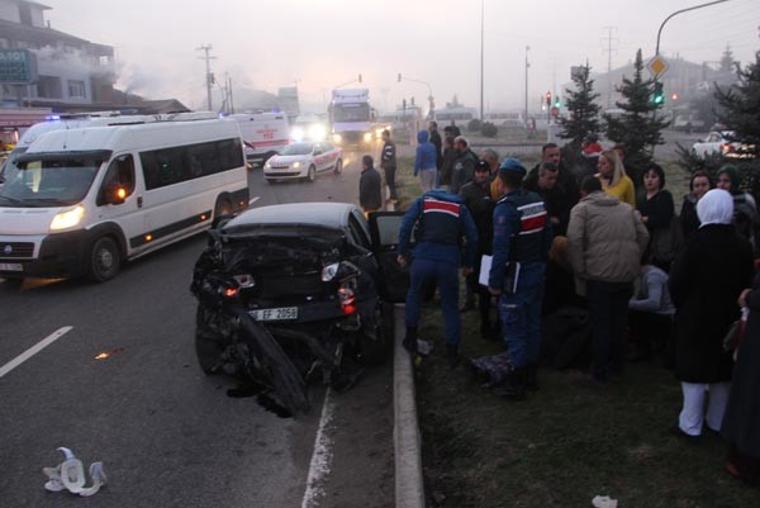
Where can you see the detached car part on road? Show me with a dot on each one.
(293, 293)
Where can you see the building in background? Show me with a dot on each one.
(70, 71)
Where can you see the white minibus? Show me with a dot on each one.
(82, 201)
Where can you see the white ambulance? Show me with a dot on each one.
(264, 134)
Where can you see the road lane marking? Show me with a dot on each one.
(253, 200)
(321, 458)
(5, 369)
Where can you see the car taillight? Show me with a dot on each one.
(347, 301)
(727, 148)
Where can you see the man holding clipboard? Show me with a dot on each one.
(522, 237)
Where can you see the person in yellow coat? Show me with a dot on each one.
(614, 180)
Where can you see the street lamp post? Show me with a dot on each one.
(527, 66)
(700, 6)
(482, 31)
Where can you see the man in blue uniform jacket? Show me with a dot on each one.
(441, 221)
(522, 238)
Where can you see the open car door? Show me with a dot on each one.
(383, 227)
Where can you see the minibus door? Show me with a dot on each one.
(119, 199)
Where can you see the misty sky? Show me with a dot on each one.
(322, 43)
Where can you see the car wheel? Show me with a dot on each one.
(209, 342)
(312, 175)
(338, 167)
(105, 259)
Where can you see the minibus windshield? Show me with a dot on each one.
(47, 182)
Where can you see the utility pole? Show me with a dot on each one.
(482, 31)
(232, 102)
(609, 50)
(209, 77)
(527, 66)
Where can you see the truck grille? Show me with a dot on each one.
(16, 250)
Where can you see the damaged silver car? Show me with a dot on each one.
(290, 294)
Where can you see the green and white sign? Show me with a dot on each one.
(17, 66)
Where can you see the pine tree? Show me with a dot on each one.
(740, 105)
(639, 128)
(727, 61)
(584, 111)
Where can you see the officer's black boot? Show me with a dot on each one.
(410, 341)
(531, 377)
(514, 386)
(452, 355)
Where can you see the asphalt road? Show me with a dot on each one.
(167, 434)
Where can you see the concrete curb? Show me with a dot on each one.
(410, 492)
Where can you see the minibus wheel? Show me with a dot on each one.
(105, 259)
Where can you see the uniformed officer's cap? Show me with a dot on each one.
(482, 166)
(513, 165)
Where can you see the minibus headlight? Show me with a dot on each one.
(67, 219)
(296, 165)
(367, 137)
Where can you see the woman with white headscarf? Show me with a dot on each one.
(705, 281)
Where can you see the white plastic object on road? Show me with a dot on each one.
(604, 502)
(69, 475)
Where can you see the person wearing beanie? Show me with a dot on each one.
(522, 237)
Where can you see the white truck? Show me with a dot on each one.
(352, 119)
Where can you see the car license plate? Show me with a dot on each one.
(11, 267)
(281, 314)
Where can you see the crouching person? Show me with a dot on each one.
(440, 221)
(650, 315)
(522, 237)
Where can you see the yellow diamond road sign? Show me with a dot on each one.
(657, 66)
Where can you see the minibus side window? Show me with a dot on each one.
(121, 173)
(230, 154)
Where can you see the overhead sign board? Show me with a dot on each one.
(17, 66)
(658, 66)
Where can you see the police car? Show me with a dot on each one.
(304, 160)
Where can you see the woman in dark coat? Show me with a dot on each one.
(741, 425)
(657, 211)
(705, 282)
(699, 184)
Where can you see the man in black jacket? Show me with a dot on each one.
(435, 138)
(370, 187)
(566, 181)
(464, 167)
(388, 163)
(545, 184)
(477, 198)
